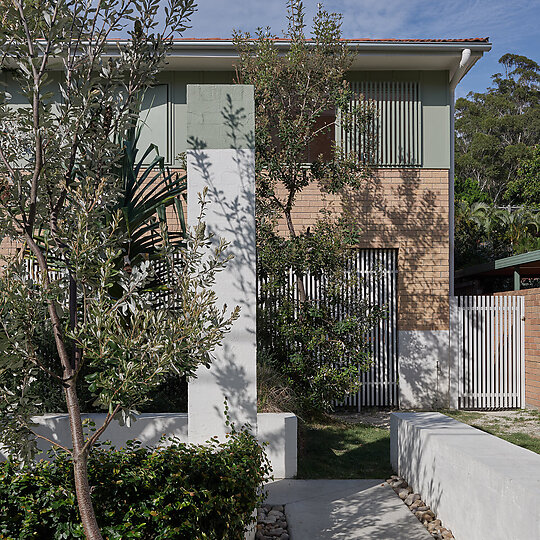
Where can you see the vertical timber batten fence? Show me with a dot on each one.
(377, 283)
(379, 385)
(490, 352)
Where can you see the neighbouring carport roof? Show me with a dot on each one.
(527, 264)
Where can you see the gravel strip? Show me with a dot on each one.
(419, 508)
(272, 523)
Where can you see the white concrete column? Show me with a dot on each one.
(455, 340)
(221, 157)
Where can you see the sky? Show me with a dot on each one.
(512, 25)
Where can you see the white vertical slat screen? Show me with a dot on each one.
(33, 271)
(379, 383)
(377, 270)
(394, 137)
(491, 359)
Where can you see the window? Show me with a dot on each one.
(155, 121)
(394, 137)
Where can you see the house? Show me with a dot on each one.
(405, 211)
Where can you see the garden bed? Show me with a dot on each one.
(520, 427)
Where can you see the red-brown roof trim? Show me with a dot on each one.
(346, 40)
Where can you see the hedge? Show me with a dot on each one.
(180, 491)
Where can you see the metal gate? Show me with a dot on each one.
(490, 352)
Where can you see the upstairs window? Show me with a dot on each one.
(393, 138)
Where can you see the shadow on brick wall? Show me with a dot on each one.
(408, 210)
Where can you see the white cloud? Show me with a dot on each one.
(380, 18)
(437, 19)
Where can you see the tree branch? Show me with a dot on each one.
(91, 441)
(51, 442)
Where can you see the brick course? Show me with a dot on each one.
(405, 209)
(532, 344)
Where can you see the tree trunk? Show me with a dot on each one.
(301, 289)
(80, 462)
(80, 454)
(84, 499)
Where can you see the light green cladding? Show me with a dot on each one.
(220, 116)
(435, 110)
(166, 123)
(435, 93)
(165, 111)
(434, 97)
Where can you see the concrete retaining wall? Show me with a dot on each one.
(480, 486)
(278, 430)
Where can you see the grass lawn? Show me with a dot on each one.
(332, 449)
(512, 430)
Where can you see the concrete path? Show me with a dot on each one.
(344, 509)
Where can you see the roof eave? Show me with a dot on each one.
(359, 45)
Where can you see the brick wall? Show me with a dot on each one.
(405, 209)
(532, 344)
(396, 208)
(8, 248)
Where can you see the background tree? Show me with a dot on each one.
(317, 343)
(486, 232)
(64, 203)
(525, 187)
(497, 130)
(497, 134)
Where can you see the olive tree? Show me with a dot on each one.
(72, 96)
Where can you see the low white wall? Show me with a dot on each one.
(480, 486)
(424, 369)
(148, 428)
(279, 431)
(276, 429)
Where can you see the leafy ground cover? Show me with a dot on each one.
(518, 427)
(330, 448)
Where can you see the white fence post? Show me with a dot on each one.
(454, 352)
(522, 351)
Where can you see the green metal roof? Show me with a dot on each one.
(528, 264)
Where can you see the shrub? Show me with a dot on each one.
(320, 343)
(180, 491)
(274, 394)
